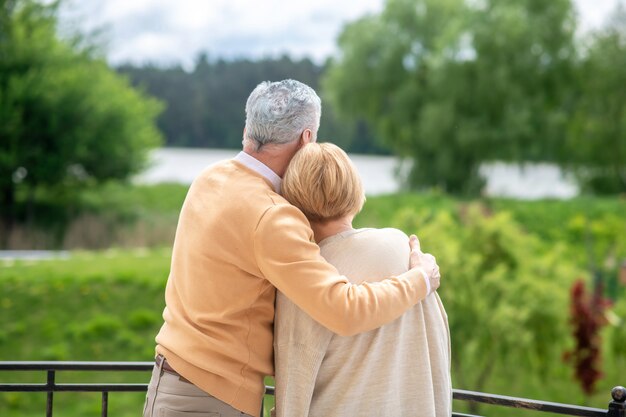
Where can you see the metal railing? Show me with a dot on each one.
(616, 407)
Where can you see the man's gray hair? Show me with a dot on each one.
(278, 112)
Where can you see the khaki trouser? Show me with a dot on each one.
(168, 396)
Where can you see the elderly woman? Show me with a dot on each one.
(400, 369)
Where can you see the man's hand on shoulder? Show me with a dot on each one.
(426, 263)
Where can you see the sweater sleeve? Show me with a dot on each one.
(291, 261)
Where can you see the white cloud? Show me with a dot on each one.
(593, 12)
(167, 31)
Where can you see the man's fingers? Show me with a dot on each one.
(415, 244)
(427, 262)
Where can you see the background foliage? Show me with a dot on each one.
(449, 83)
(424, 79)
(507, 273)
(66, 119)
(453, 84)
(596, 147)
(205, 105)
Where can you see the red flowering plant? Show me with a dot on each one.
(587, 316)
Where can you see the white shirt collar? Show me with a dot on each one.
(259, 167)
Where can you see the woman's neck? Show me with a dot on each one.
(329, 228)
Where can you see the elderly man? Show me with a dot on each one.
(238, 241)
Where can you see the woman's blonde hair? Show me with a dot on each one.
(323, 183)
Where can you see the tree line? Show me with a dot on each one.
(449, 84)
(205, 105)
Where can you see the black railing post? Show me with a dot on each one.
(50, 386)
(617, 407)
(105, 403)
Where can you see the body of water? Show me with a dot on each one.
(380, 174)
(8, 256)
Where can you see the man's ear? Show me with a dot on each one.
(306, 137)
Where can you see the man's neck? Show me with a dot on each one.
(322, 230)
(275, 157)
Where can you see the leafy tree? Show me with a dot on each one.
(66, 119)
(452, 84)
(597, 140)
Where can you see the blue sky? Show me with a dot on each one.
(170, 32)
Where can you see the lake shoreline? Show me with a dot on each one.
(380, 174)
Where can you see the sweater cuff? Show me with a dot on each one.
(426, 280)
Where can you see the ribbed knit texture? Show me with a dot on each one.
(399, 370)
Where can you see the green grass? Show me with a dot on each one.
(113, 215)
(95, 306)
(106, 305)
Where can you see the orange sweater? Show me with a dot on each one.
(238, 241)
